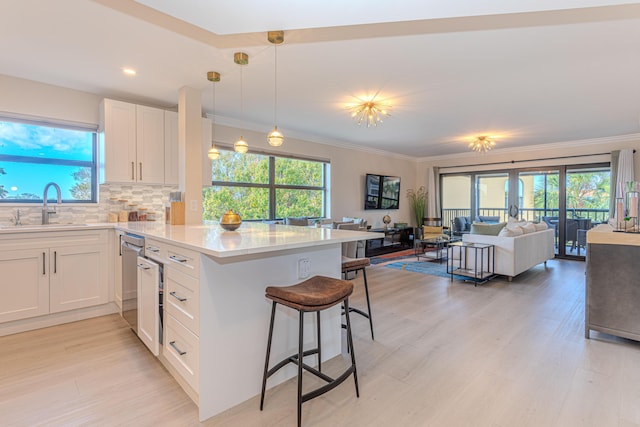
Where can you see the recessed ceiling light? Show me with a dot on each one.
(129, 71)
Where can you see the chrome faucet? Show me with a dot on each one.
(45, 210)
(17, 218)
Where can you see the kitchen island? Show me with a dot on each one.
(613, 290)
(228, 330)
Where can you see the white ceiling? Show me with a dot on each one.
(529, 74)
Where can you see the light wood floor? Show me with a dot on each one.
(446, 354)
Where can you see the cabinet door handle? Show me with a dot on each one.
(175, 347)
(133, 171)
(173, 294)
(44, 266)
(144, 266)
(153, 249)
(55, 262)
(140, 171)
(177, 258)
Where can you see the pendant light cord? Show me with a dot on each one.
(275, 85)
(213, 112)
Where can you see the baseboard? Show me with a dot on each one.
(45, 321)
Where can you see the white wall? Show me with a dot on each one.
(348, 166)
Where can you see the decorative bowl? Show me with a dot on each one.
(230, 220)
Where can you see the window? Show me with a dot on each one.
(260, 186)
(33, 154)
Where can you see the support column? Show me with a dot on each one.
(190, 152)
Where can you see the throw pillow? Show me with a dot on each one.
(529, 228)
(487, 229)
(511, 232)
(488, 219)
(514, 224)
(541, 226)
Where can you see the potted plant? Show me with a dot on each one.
(418, 203)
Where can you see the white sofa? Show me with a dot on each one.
(513, 255)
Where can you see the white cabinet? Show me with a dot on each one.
(132, 143)
(77, 277)
(24, 288)
(46, 273)
(181, 329)
(149, 304)
(150, 145)
(171, 152)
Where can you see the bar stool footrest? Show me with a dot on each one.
(330, 386)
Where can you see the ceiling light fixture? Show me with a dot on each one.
(369, 111)
(213, 77)
(275, 137)
(482, 144)
(241, 59)
(129, 71)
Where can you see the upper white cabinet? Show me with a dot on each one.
(150, 145)
(171, 164)
(132, 143)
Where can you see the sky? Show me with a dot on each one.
(41, 142)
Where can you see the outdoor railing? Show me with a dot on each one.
(530, 214)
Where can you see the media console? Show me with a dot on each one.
(395, 239)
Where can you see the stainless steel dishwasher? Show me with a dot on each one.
(132, 246)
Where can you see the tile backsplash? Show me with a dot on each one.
(152, 197)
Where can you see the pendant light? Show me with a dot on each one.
(213, 77)
(275, 137)
(241, 59)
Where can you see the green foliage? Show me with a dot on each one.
(3, 192)
(417, 203)
(250, 198)
(81, 190)
(589, 190)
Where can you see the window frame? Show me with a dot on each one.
(273, 187)
(92, 164)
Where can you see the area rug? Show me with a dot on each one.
(424, 267)
(395, 256)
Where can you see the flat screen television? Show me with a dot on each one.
(382, 192)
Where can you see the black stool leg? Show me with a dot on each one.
(300, 356)
(266, 362)
(366, 292)
(350, 346)
(319, 342)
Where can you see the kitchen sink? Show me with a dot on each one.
(39, 226)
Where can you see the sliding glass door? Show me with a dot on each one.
(570, 199)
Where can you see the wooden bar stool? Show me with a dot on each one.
(313, 295)
(355, 264)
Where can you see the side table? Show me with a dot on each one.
(432, 249)
(473, 260)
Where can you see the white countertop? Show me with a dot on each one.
(250, 238)
(604, 234)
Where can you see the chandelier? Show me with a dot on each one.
(482, 144)
(369, 112)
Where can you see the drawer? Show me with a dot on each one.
(155, 250)
(182, 350)
(182, 299)
(184, 260)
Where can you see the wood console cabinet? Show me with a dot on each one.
(613, 290)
